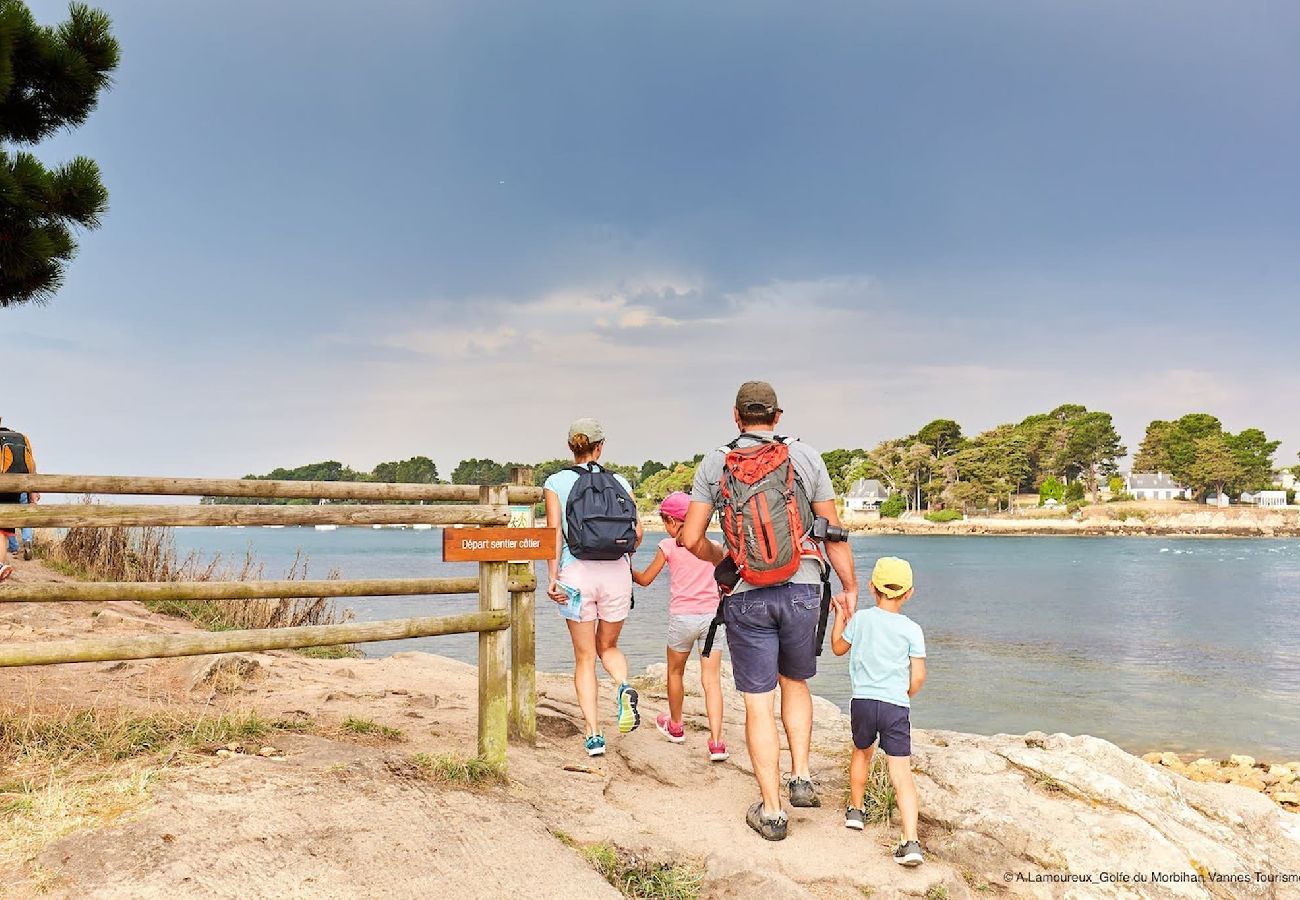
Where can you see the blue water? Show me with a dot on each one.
(1185, 645)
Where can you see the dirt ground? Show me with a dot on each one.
(330, 816)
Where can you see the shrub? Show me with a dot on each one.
(1074, 491)
(1121, 497)
(893, 507)
(944, 515)
(1051, 489)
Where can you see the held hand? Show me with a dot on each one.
(556, 593)
(845, 603)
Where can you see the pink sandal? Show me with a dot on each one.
(5, 571)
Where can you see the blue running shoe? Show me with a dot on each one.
(595, 745)
(629, 717)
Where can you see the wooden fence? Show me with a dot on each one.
(507, 692)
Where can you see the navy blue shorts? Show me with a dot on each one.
(876, 718)
(771, 631)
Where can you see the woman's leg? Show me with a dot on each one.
(711, 681)
(676, 690)
(611, 657)
(583, 635)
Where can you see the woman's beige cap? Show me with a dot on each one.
(589, 428)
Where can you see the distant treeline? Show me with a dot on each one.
(1071, 450)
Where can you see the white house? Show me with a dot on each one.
(1271, 498)
(1147, 486)
(864, 495)
(1284, 480)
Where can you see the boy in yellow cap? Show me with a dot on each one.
(887, 665)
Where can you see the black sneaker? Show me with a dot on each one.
(803, 794)
(772, 828)
(855, 818)
(909, 854)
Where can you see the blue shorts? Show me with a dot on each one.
(876, 718)
(772, 631)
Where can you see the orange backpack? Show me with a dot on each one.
(764, 511)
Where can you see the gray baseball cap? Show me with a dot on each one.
(757, 396)
(589, 427)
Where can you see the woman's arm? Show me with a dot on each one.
(647, 576)
(553, 565)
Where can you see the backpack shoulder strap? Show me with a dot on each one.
(583, 470)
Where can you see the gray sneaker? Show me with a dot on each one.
(772, 828)
(855, 818)
(803, 794)
(909, 854)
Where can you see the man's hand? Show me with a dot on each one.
(845, 604)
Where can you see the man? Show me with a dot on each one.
(772, 630)
(15, 456)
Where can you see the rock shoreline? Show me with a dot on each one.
(1280, 782)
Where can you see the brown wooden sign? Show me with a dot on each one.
(497, 544)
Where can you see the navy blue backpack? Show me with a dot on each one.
(600, 517)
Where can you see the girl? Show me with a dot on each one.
(692, 603)
(605, 586)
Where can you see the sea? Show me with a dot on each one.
(1189, 645)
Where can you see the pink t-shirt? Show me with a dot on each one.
(691, 588)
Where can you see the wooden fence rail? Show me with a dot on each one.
(159, 646)
(152, 591)
(248, 487)
(87, 515)
(507, 665)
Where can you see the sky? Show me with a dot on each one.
(368, 231)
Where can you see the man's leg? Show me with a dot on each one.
(764, 748)
(796, 715)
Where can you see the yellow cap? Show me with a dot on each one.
(892, 577)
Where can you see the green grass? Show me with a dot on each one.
(936, 892)
(449, 768)
(944, 515)
(878, 799)
(337, 651)
(370, 728)
(642, 877)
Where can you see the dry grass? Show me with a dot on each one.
(641, 876)
(358, 727)
(70, 769)
(450, 768)
(149, 554)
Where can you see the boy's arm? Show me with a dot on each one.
(843, 615)
(646, 576)
(918, 676)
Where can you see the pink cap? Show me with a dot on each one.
(675, 505)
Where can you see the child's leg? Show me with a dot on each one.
(711, 681)
(859, 771)
(676, 689)
(900, 774)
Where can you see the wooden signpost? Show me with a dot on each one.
(497, 544)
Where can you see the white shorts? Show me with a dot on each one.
(685, 631)
(606, 586)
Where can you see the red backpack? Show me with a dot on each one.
(764, 511)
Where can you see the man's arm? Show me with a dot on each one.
(918, 675)
(694, 537)
(841, 557)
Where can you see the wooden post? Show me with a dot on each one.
(493, 650)
(523, 639)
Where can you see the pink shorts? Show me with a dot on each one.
(606, 586)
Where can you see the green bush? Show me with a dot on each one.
(944, 515)
(1074, 506)
(893, 507)
(1051, 489)
(1074, 491)
(1121, 497)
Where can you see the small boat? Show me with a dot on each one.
(326, 527)
(272, 526)
(376, 526)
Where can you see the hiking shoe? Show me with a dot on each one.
(5, 571)
(772, 828)
(674, 731)
(629, 718)
(909, 854)
(27, 552)
(718, 751)
(595, 745)
(803, 794)
(855, 818)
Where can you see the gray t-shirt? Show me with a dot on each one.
(808, 466)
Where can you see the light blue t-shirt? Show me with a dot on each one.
(561, 483)
(880, 662)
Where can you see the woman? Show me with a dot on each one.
(604, 587)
